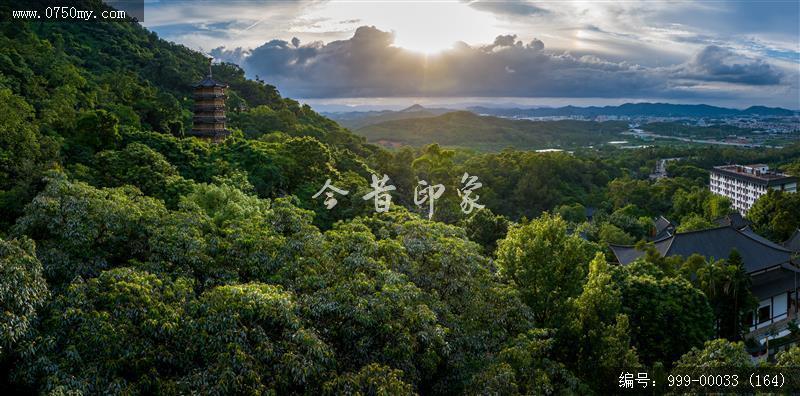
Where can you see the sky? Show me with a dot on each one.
(729, 53)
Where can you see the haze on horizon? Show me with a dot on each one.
(732, 54)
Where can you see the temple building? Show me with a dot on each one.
(773, 270)
(209, 110)
(744, 184)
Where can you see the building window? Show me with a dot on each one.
(764, 314)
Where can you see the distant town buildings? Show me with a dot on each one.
(743, 184)
(209, 110)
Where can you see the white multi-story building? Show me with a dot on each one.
(743, 184)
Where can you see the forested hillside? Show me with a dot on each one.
(469, 130)
(134, 260)
(358, 119)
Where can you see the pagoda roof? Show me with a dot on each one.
(208, 82)
(758, 253)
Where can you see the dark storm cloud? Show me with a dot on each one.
(508, 7)
(369, 65)
(715, 63)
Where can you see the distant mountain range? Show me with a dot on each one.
(636, 110)
(359, 119)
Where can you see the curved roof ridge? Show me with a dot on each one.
(664, 238)
(771, 244)
(625, 246)
(669, 246)
(703, 230)
(634, 245)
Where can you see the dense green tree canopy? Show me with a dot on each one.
(115, 333)
(22, 290)
(136, 260)
(719, 353)
(546, 264)
(668, 316)
(776, 215)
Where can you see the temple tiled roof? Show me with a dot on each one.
(757, 252)
(734, 220)
(793, 243)
(664, 228)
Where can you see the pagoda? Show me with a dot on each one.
(209, 109)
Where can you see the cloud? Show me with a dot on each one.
(714, 63)
(508, 7)
(369, 65)
(536, 44)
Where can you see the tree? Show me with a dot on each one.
(699, 201)
(727, 287)
(598, 333)
(116, 333)
(373, 379)
(97, 130)
(575, 213)
(259, 120)
(435, 163)
(24, 154)
(694, 222)
(23, 290)
(611, 234)
(715, 354)
(81, 230)
(486, 228)
(525, 367)
(776, 214)
(632, 221)
(480, 313)
(789, 357)
(626, 191)
(546, 264)
(137, 165)
(676, 169)
(717, 206)
(250, 338)
(383, 319)
(792, 168)
(668, 315)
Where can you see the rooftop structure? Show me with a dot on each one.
(663, 228)
(744, 184)
(774, 276)
(734, 220)
(793, 243)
